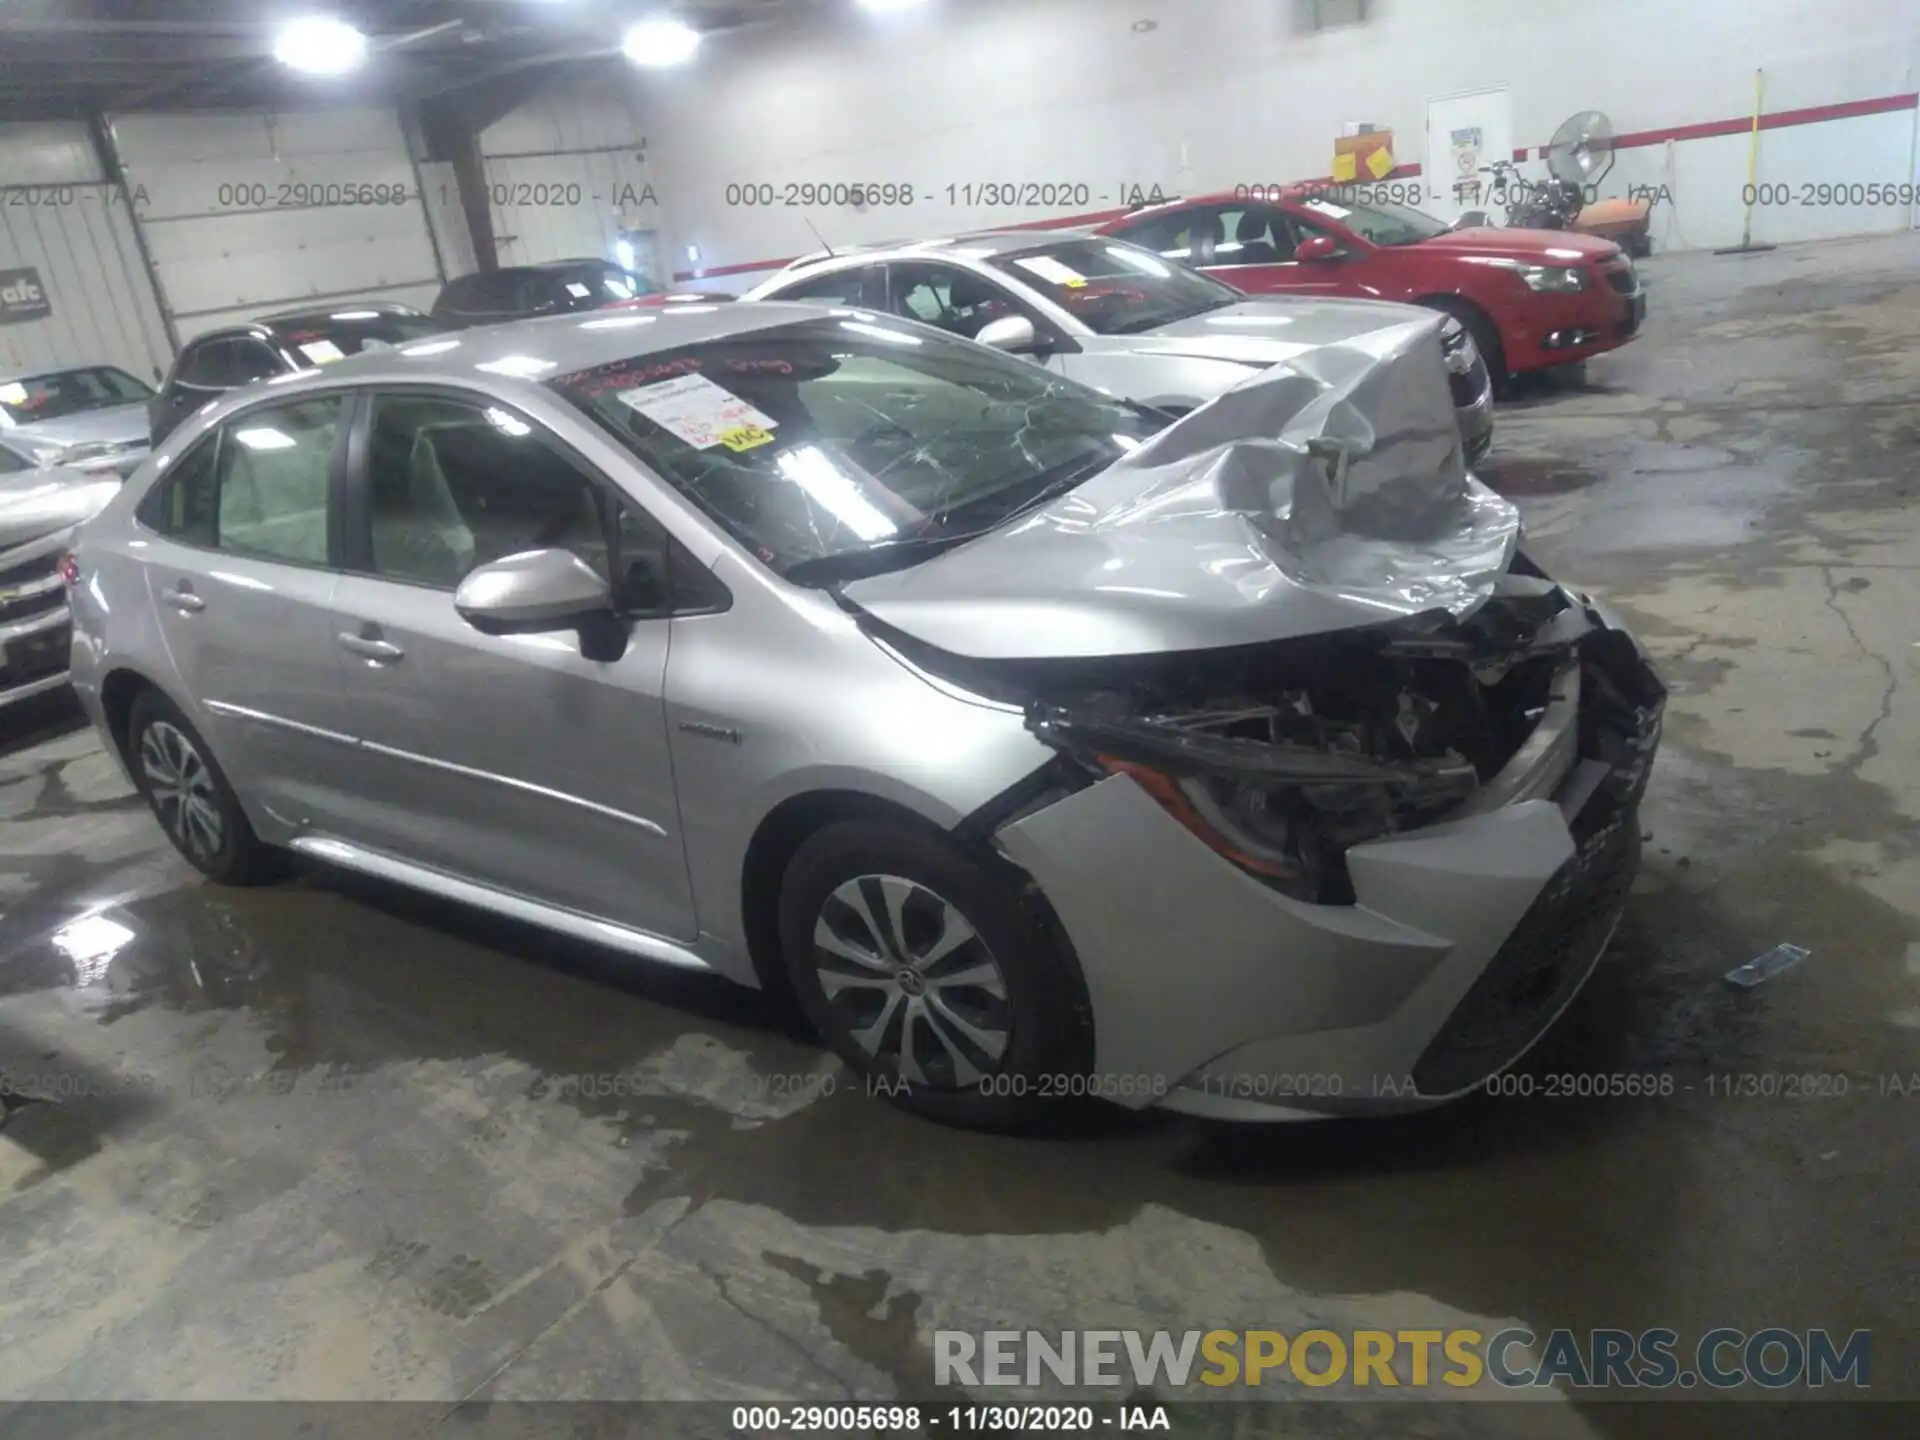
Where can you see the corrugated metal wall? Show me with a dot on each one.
(249, 214)
(60, 218)
(568, 176)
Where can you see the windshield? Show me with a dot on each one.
(845, 446)
(320, 339)
(1384, 222)
(1114, 288)
(67, 392)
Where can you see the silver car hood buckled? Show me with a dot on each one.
(1325, 493)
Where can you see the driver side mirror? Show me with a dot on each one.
(1317, 248)
(538, 591)
(1012, 333)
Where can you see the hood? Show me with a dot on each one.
(34, 503)
(1535, 247)
(115, 424)
(1262, 332)
(1325, 493)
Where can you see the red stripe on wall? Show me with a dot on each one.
(1634, 140)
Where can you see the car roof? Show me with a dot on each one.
(381, 308)
(982, 246)
(563, 343)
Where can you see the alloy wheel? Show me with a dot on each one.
(180, 784)
(913, 983)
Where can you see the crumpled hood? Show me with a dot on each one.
(116, 424)
(1262, 332)
(34, 503)
(1324, 493)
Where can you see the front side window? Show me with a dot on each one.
(452, 484)
(203, 365)
(836, 447)
(1114, 288)
(259, 486)
(949, 298)
(61, 393)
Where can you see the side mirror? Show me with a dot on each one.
(1014, 333)
(1472, 220)
(534, 591)
(1317, 248)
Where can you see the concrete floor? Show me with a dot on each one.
(327, 1158)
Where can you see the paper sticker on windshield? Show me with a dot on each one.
(1052, 271)
(1328, 208)
(322, 352)
(577, 290)
(701, 413)
(13, 393)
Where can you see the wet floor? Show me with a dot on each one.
(332, 1140)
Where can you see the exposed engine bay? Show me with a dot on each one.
(1281, 756)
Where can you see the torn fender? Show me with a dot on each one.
(1327, 492)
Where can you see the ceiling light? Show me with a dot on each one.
(320, 45)
(659, 43)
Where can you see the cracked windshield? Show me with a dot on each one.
(839, 448)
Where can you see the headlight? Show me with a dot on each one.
(1555, 278)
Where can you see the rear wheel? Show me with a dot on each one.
(928, 976)
(191, 797)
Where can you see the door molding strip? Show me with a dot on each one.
(525, 787)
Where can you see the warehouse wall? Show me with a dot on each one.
(227, 215)
(568, 176)
(61, 219)
(1238, 91)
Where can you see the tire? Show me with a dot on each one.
(1485, 337)
(190, 796)
(1026, 1031)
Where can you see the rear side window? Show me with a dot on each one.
(203, 365)
(261, 486)
(845, 287)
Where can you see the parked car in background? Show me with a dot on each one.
(1532, 299)
(524, 292)
(93, 416)
(1040, 745)
(1112, 315)
(40, 505)
(211, 364)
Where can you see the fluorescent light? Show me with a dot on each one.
(659, 43)
(264, 437)
(523, 366)
(355, 315)
(320, 45)
(814, 473)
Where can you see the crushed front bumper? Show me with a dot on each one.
(1216, 995)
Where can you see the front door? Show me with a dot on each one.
(241, 579)
(510, 760)
(1465, 133)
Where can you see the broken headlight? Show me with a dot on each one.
(1281, 809)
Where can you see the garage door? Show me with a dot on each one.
(568, 178)
(74, 286)
(249, 214)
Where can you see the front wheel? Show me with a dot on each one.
(190, 795)
(928, 975)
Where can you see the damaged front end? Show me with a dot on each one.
(1281, 757)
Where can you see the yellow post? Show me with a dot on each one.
(1753, 155)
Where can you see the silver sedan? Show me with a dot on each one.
(1115, 316)
(1037, 745)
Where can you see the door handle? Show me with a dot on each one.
(185, 601)
(380, 652)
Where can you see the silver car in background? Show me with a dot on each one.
(1115, 316)
(90, 417)
(40, 506)
(1038, 745)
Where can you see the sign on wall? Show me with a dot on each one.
(22, 297)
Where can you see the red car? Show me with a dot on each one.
(1532, 299)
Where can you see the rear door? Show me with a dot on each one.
(239, 568)
(513, 760)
